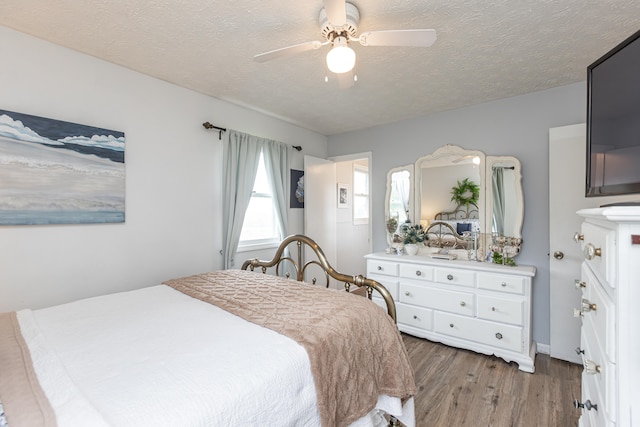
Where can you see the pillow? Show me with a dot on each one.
(463, 226)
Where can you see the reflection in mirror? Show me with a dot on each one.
(504, 196)
(437, 174)
(399, 197)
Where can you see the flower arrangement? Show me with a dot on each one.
(412, 233)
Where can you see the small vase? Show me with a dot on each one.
(411, 249)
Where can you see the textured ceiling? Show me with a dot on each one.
(486, 50)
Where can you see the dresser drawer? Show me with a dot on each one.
(604, 376)
(601, 320)
(593, 418)
(439, 299)
(603, 240)
(508, 337)
(416, 271)
(417, 317)
(387, 268)
(508, 310)
(455, 277)
(501, 282)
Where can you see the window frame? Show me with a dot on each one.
(358, 168)
(265, 243)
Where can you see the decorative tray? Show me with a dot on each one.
(444, 256)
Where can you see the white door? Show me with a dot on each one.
(320, 204)
(567, 176)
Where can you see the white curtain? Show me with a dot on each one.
(241, 155)
(401, 187)
(498, 200)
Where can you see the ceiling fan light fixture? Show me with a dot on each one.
(341, 58)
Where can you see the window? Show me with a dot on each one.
(360, 194)
(261, 226)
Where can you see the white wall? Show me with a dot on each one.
(517, 126)
(173, 176)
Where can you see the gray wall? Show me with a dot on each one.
(517, 126)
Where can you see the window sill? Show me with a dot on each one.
(257, 246)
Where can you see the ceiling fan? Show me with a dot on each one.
(339, 24)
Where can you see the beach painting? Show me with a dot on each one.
(57, 172)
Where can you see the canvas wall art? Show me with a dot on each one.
(296, 198)
(57, 172)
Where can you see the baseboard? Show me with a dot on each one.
(543, 348)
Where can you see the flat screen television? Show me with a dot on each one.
(613, 121)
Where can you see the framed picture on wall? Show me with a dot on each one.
(57, 172)
(343, 195)
(296, 198)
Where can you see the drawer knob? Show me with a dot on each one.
(379, 268)
(499, 335)
(588, 306)
(591, 367)
(415, 317)
(418, 273)
(579, 351)
(590, 252)
(449, 277)
(462, 303)
(407, 293)
(578, 237)
(587, 405)
(494, 309)
(580, 284)
(503, 284)
(451, 325)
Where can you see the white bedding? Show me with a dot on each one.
(158, 357)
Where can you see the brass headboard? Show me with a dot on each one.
(300, 267)
(457, 214)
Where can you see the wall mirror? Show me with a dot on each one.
(499, 208)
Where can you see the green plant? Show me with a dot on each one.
(412, 233)
(497, 258)
(465, 193)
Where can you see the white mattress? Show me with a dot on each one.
(157, 357)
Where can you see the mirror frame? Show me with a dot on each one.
(439, 157)
(519, 204)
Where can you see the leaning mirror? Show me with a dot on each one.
(399, 198)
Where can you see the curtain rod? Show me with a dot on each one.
(208, 125)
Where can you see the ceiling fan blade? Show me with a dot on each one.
(336, 12)
(289, 50)
(419, 38)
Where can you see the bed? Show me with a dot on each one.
(447, 229)
(224, 348)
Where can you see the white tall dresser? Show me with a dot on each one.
(610, 311)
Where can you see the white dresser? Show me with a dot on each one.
(478, 306)
(610, 335)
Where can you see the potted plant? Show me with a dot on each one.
(412, 235)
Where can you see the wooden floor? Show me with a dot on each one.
(460, 388)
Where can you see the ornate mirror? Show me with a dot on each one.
(498, 211)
